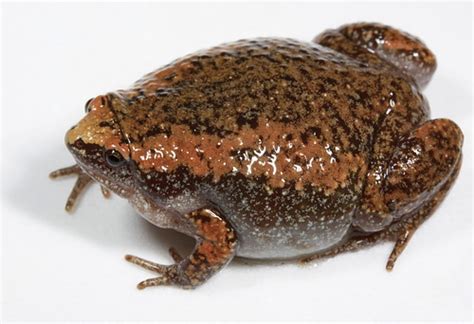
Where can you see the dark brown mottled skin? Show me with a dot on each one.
(273, 148)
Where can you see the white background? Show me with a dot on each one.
(61, 266)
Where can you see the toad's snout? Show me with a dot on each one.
(97, 128)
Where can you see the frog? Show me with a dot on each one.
(274, 149)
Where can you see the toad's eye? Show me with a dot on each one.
(87, 108)
(113, 158)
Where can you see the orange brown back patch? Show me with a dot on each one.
(267, 150)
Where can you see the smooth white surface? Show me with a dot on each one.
(60, 266)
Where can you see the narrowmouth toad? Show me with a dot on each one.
(273, 148)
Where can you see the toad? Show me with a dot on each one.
(273, 148)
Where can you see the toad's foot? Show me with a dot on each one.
(215, 247)
(83, 179)
(168, 273)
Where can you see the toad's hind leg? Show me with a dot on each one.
(216, 245)
(400, 49)
(404, 230)
(400, 232)
(421, 172)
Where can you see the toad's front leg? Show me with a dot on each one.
(216, 244)
(83, 179)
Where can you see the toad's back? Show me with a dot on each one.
(275, 132)
(227, 89)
